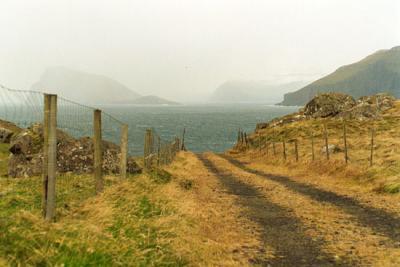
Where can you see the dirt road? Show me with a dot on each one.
(302, 224)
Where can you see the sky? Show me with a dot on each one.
(185, 49)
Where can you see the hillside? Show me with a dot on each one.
(253, 91)
(84, 87)
(379, 72)
(274, 142)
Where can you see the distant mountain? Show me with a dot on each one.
(379, 72)
(253, 91)
(152, 100)
(84, 87)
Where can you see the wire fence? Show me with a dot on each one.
(352, 142)
(158, 152)
(21, 107)
(56, 138)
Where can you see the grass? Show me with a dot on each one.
(3, 158)
(386, 155)
(392, 188)
(120, 227)
(160, 176)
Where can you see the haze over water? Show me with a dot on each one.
(208, 127)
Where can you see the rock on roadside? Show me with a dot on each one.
(73, 155)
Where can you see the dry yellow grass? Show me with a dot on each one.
(382, 176)
(124, 226)
(329, 221)
(213, 231)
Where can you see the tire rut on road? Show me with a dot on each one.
(381, 221)
(280, 229)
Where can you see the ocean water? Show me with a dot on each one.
(208, 127)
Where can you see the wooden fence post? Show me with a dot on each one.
(326, 141)
(238, 138)
(284, 149)
(124, 150)
(296, 151)
(98, 153)
(147, 150)
(371, 158)
(312, 146)
(346, 158)
(169, 153)
(46, 118)
(183, 148)
(273, 148)
(178, 144)
(158, 150)
(52, 160)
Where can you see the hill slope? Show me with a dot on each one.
(84, 87)
(253, 91)
(379, 72)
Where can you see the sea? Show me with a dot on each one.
(209, 127)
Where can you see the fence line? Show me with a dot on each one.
(159, 152)
(305, 139)
(67, 137)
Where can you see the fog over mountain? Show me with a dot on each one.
(184, 50)
(90, 88)
(253, 91)
(376, 73)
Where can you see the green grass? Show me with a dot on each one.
(392, 188)
(118, 228)
(4, 153)
(160, 176)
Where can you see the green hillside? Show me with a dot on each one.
(379, 72)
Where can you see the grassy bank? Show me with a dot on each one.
(119, 227)
(169, 217)
(382, 176)
(128, 224)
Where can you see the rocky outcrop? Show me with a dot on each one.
(5, 135)
(7, 130)
(298, 116)
(332, 149)
(328, 105)
(336, 105)
(369, 107)
(73, 155)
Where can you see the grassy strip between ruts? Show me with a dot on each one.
(125, 225)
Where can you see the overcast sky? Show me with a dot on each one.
(184, 49)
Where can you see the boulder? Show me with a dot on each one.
(332, 149)
(360, 112)
(328, 105)
(369, 107)
(7, 130)
(5, 135)
(261, 125)
(73, 155)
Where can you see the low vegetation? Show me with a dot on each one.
(119, 227)
(126, 225)
(382, 176)
(142, 221)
